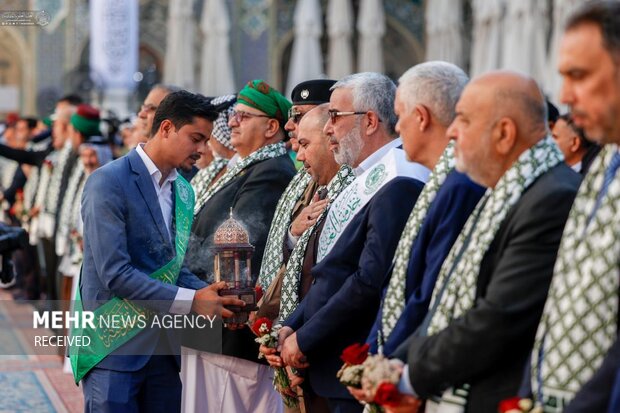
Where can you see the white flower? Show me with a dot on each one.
(377, 370)
(351, 375)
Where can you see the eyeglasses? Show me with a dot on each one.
(334, 114)
(239, 115)
(295, 115)
(148, 107)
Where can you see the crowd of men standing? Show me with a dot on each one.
(455, 225)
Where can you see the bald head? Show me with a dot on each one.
(314, 146)
(499, 116)
(316, 117)
(518, 97)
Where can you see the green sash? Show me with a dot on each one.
(104, 341)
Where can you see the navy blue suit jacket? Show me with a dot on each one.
(125, 240)
(446, 216)
(342, 303)
(602, 392)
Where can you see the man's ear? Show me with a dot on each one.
(575, 144)
(165, 128)
(371, 122)
(504, 136)
(422, 116)
(273, 126)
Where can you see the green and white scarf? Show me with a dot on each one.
(471, 245)
(273, 258)
(394, 301)
(7, 173)
(45, 175)
(66, 207)
(266, 152)
(292, 275)
(579, 322)
(455, 290)
(30, 188)
(8, 168)
(204, 178)
(52, 194)
(30, 191)
(74, 250)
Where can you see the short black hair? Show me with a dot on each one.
(71, 99)
(585, 142)
(31, 122)
(552, 112)
(606, 15)
(181, 108)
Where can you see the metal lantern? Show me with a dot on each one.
(232, 264)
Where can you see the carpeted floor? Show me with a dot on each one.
(28, 382)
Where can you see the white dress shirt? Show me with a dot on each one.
(404, 385)
(376, 156)
(183, 300)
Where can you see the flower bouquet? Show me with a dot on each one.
(268, 336)
(259, 292)
(350, 374)
(353, 371)
(380, 379)
(18, 210)
(377, 375)
(518, 405)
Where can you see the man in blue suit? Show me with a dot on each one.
(359, 237)
(425, 104)
(137, 213)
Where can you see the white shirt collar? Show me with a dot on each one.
(577, 167)
(376, 156)
(152, 168)
(233, 161)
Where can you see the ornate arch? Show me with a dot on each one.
(401, 50)
(18, 53)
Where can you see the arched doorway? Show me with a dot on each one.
(17, 80)
(401, 50)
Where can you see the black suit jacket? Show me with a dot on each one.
(343, 301)
(488, 346)
(253, 196)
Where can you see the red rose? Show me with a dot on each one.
(259, 292)
(355, 354)
(510, 404)
(256, 327)
(387, 394)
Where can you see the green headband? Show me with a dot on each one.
(259, 95)
(87, 127)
